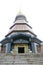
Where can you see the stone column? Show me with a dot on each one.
(35, 44)
(8, 47)
(33, 47)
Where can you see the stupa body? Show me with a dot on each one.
(21, 38)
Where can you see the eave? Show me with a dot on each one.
(20, 24)
(20, 31)
(15, 37)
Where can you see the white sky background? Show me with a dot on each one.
(32, 9)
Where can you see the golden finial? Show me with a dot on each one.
(20, 11)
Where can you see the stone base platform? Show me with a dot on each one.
(21, 59)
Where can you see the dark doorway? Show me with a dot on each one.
(20, 49)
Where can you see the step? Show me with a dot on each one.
(21, 59)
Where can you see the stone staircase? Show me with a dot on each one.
(21, 59)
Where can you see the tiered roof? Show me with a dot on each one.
(20, 25)
(20, 31)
